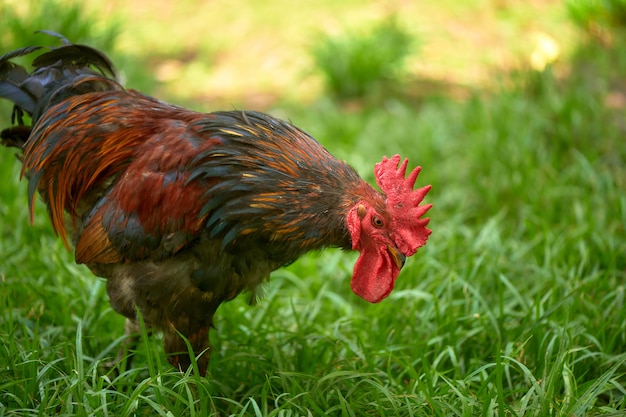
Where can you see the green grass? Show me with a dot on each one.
(515, 307)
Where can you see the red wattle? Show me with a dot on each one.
(374, 275)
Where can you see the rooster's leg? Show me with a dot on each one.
(178, 353)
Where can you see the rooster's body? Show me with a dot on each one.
(180, 210)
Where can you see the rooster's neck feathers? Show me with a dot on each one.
(272, 181)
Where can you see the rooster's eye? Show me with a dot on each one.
(377, 222)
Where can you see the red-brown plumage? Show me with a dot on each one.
(181, 210)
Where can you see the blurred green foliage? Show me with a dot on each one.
(21, 21)
(355, 64)
(593, 15)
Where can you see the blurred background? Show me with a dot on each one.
(241, 52)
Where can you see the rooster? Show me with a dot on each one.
(181, 211)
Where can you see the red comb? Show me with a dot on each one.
(410, 232)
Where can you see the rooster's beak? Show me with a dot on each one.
(397, 257)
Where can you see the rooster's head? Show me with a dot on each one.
(386, 229)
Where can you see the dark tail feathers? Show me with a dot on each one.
(57, 74)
